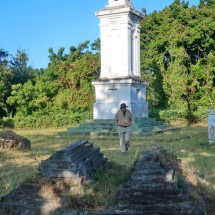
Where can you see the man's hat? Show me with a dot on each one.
(123, 105)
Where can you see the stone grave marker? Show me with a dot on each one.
(211, 125)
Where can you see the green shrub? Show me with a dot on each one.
(1, 123)
(154, 113)
(8, 122)
(201, 115)
(168, 115)
(173, 115)
(180, 115)
(50, 121)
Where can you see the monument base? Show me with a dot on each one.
(111, 93)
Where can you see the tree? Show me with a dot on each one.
(96, 46)
(64, 87)
(12, 71)
(178, 43)
(20, 70)
(5, 77)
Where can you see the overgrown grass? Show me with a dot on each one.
(190, 144)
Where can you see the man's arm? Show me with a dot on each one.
(130, 118)
(116, 119)
(117, 123)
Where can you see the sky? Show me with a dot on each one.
(37, 25)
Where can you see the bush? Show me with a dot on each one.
(173, 115)
(6, 123)
(180, 115)
(154, 113)
(50, 121)
(201, 115)
(1, 123)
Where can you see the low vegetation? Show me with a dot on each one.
(190, 144)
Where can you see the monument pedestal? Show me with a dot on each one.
(110, 93)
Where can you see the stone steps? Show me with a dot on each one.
(151, 190)
(147, 211)
(168, 208)
(102, 127)
(78, 160)
(149, 197)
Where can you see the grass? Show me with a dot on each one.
(190, 144)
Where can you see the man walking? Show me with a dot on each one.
(123, 119)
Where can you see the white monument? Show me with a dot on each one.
(120, 79)
(211, 125)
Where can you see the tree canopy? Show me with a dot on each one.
(178, 45)
(12, 71)
(63, 88)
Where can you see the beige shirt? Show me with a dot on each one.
(123, 120)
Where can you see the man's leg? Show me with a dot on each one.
(127, 137)
(121, 139)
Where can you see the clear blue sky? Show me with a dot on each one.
(37, 25)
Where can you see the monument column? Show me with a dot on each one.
(120, 78)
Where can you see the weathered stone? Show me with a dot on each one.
(9, 139)
(151, 190)
(79, 160)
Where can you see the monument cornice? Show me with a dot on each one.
(129, 80)
(110, 11)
